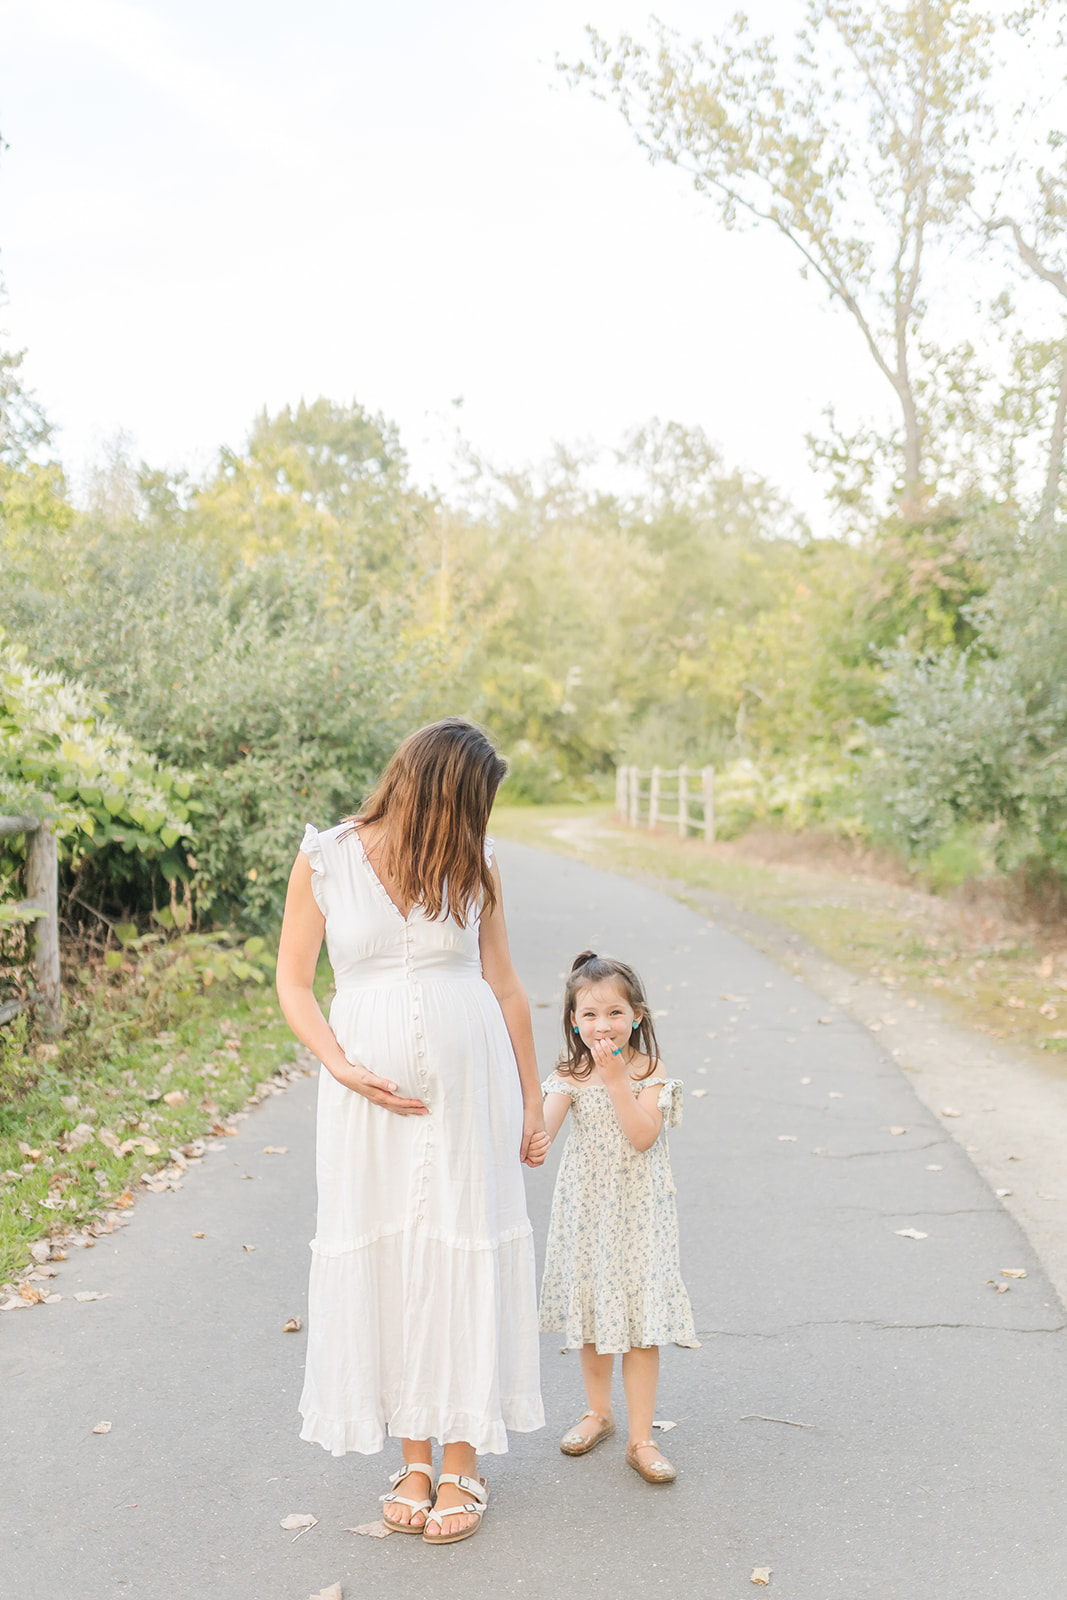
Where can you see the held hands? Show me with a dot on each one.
(379, 1091)
(535, 1141)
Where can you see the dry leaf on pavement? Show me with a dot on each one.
(331, 1592)
(826, 1021)
(102, 1427)
(897, 1131)
(697, 1094)
(30, 1293)
(298, 1519)
(910, 1233)
(1013, 1272)
(372, 1530)
(787, 1138)
(248, 1247)
(91, 1294)
(665, 1427)
(275, 1149)
(950, 1111)
(294, 1325)
(761, 1575)
(176, 1097)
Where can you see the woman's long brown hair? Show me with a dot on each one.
(587, 969)
(434, 799)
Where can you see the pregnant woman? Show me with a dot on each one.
(422, 1306)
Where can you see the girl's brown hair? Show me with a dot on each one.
(589, 968)
(434, 798)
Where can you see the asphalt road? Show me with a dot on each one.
(866, 1415)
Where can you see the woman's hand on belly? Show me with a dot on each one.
(379, 1091)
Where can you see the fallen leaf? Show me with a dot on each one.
(333, 1590)
(219, 1132)
(698, 1094)
(787, 1138)
(298, 1519)
(91, 1294)
(248, 1247)
(275, 1149)
(665, 1427)
(51, 1299)
(176, 1097)
(1001, 1288)
(825, 1021)
(896, 1131)
(910, 1233)
(40, 1250)
(835, 1094)
(124, 1200)
(30, 1293)
(805, 1080)
(101, 1427)
(294, 1325)
(1002, 1194)
(78, 1136)
(199, 1236)
(1015, 1003)
(934, 1166)
(372, 1530)
(761, 1575)
(950, 1111)
(1013, 1272)
(110, 1140)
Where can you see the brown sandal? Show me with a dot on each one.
(659, 1471)
(580, 1444)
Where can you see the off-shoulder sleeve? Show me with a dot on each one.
(554, 1084)
(670, 1102)
(311, 845)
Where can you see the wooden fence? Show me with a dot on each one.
(681, 796)
(42, 882)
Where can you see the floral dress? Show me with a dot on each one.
(611, 1266)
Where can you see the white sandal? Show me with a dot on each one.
(398, 1499)
(476, 1487)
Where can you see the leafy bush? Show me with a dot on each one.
(279, 702)
(122, 819)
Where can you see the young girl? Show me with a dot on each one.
(612, 1281)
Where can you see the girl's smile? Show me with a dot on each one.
(602, 1012)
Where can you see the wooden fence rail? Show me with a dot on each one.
(42, 885)
(683, 796)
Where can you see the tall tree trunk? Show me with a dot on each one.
(1050, 498)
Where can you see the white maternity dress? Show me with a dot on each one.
(422, 1314)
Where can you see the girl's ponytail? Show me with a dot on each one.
(583, 960)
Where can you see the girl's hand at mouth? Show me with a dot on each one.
(608, 1057)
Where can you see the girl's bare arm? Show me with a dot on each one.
(556, 1108)
(303, 927)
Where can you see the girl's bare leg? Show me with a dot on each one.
(640, 1377)
(416, 1486)
(597, 1371)
(460, 1459)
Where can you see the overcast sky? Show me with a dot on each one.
(211, 206)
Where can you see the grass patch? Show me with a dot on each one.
(1007, 981)
(134, 1079)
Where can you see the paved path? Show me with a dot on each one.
(933, 1452)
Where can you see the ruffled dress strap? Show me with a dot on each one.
(669, 1099)
(554, 1084)
(311, 846)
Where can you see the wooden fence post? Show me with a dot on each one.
(620, 791)
(653, 798)
(707, 778)
(42, 884)
(633, 796)
(683, 802)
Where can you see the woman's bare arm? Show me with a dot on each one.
(499, 973)
(303, 927)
